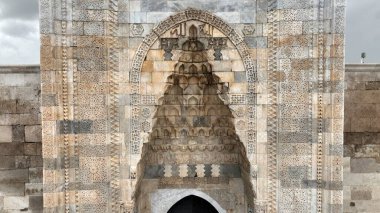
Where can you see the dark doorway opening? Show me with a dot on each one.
(192, 204)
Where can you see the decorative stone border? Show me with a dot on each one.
(167, 24)
(164, 199)
(160, 29)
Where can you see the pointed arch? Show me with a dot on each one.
(187, 15)
(168, 197)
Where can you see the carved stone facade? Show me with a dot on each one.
(261, 93)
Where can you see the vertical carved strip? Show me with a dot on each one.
(113, 67)
(65, 97)
(321, 68)
(272, 105)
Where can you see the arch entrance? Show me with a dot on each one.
(192, 142)
(192, 204)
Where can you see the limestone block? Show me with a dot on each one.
(8, 106)
(36, 203)
(361, 194)
(33, 188)
(11, 149)
(14, 176)
(5, 134)
(7, 162)
(12, 189)
(138, 17)
(35, 175)
(18, 133)
(16, 203)
(33, 133)
(364, 165)
(93, 28)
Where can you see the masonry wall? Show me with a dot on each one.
(20, 139)
(362, 139)
(20, 147)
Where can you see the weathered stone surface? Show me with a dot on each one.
(12, 189)
(18, 133)
(36, 203)
(14, 176)
(12, 149)
(361, 138)
(16, 203)
(33, 133)
(7, 162)
(6, 134)
(358, 194)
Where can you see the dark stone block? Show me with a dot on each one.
(201, 121)
(18, 133)
(349, 151)
(14, 176)
(22, 162)
(7, 162)
(49, 100)
(35, 175)
(75, 127)
(156, 5)
(32, 107)
(36, 161)
(313, 184)
(11, 149)
(370, 137)
(208, 170)
(175, 171)
(240, 77)
(30, 148)
(372, 85)
(364, 165)
(35, 203)
(352, 138)
(232, 171)
(7, 106)
(361, 194)
(154, 171)
(12, 189)
(191, 171)
(251, 42)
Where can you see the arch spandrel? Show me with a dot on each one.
(198, 80)
(192, 16)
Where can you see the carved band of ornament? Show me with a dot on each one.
(320, 106)
(192, 148)
(185, 158)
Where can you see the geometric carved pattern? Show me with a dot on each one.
(113, 62)
(166, 25)
(272, 124)
(65, 101)
(321, 68)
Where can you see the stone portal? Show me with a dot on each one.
(193, 143)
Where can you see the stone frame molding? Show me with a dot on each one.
(166, 198)
(164, 26)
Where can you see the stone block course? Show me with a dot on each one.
(33, 133)
(16, 203)
(14, 176)
(361, 138)
(5, 134)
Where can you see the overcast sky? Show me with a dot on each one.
(19, 36)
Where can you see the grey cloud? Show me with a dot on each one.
(15, 28)
(19, 9)
(362, 30)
